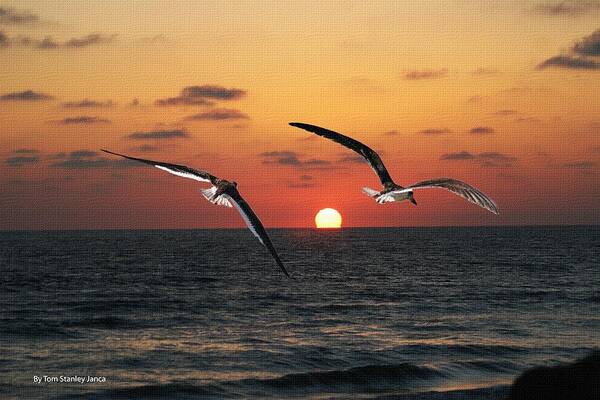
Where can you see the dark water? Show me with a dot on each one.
(446, 313)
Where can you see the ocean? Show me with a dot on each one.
(403, 313)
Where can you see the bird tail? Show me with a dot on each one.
(221, 200)
(209, 194)
(370, 192)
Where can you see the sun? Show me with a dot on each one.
(328, 218)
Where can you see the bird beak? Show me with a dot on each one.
(412, 200)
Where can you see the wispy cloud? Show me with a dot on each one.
(18, 161)
(87, 103)
(484, 72)
(434, 131)
(4, 40)
(49, 43)
(585, 164)
(219, 114)
(290, 158)
(301, 185)
(10, 16)
(88, 40)
(352, 158)
(27, 95)
(505, 113)
(202, 95)
(179, 100)
(26, 151)
(481, 130)
(146, 148)
(86, 159)
(425, 74)
(568, 7)
(462, 155)
(83, 120)
(159, 134)
(485, 159)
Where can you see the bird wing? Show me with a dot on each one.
(175, 169)
(369, 154)
(253, 224)
(461, 189)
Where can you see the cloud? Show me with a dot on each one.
(495, 159)
(481, 130)
(434, 131)
(83, 153)
(463, 155)
(425, 74)
(27, 95)
(14, 17)
(580, 165)
(26, 151)
(4, 40)
(85, 159)
(527, 119)
(84, 119)
(302, 185)
(88, 40)
(160, 134)
(213, 92)
(153, 39)
(219, 114)
(177, 101)
(146, 148)
(306, 178)
(18, 161)
(568, 7)
(352, 158)
(579, 55)
(49, 43)
(281, 157)
(86, 103)
(315, 162)
(589, 45)
(45, 44)
(486, 159)
(484, 72)
(391, 133)
(199, 95)
(291, 158)
(570, 62)
(504, 113)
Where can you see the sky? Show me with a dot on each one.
(501, 94)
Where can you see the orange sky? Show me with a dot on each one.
(503, 95)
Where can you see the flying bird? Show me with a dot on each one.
(392, 191)
(222, 193)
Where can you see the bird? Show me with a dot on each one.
(222, 193)
(391, 191)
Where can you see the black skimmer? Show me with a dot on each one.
(223, 193)
(391, 191)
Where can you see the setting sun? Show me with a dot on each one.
(328, 218)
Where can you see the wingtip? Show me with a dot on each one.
(109, 152)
